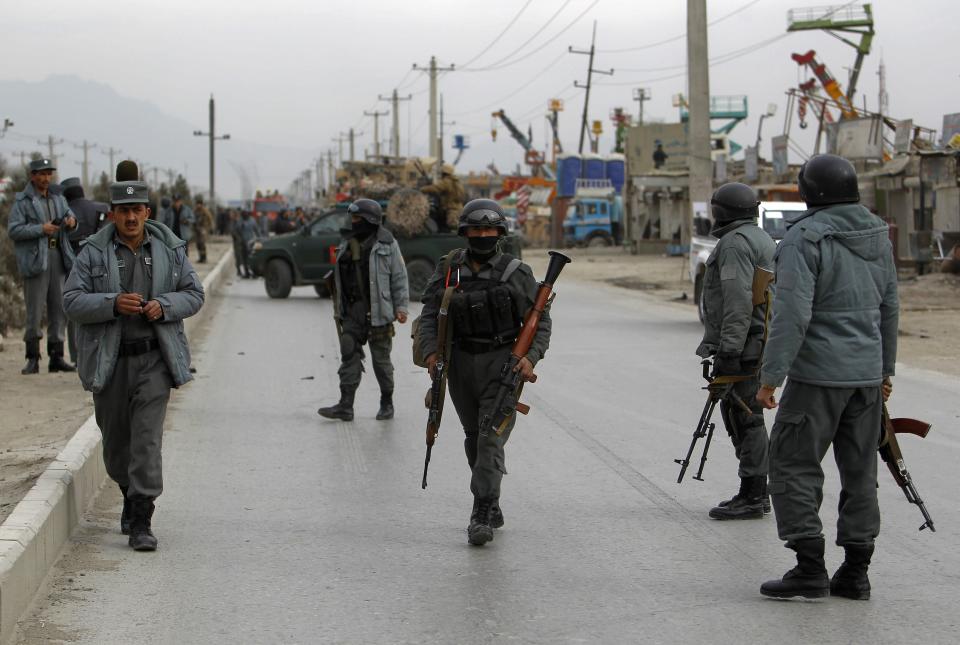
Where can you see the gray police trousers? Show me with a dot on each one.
(809, 420)
(351, 359)
(473, 381)
(130, 412)
(42, 290)
(747, 431)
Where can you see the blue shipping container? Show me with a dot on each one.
(568, 171)
(593, 167)
(616, 170)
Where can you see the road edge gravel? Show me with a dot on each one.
(35, 533)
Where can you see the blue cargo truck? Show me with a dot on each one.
(595, 215)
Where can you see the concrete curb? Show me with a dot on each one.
(34, 534)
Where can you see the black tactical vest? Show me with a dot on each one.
(482, 308)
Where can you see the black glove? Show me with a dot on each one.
(727, 365)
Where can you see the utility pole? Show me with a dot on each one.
(331, 174)
(213, 138)
(318, 163)
(440, 142)
(50, 143)
(433, 70)
(590, 72)
(339, 141)
(641, 95)
(351, 136)
(111, 152)
(698, 81)
(376, 130)
(395, 112)
(84, 176)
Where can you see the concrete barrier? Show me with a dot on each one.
(34, 534)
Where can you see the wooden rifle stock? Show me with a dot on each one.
(889, 449)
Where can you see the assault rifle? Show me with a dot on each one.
(507, 403)
(438, 379)
(719, 388)
(890, 453)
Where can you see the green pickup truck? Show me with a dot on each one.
(304, 257)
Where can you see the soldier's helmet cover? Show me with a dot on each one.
(828, 179)
(368, 209)
(734, 201)
(482, 213)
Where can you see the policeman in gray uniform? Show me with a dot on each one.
(179, 218)
(834, 334)
(371, 293)
(91, 216)
(130, 291)
(733, 336)
(39, 225)
(494, 291)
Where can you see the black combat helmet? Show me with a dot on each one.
(734, 201)
(368, 209)
(828, 179)
(482, 213)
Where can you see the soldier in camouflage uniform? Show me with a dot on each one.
(494, 291)
(733, 336)
(202, 227)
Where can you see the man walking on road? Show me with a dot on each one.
(39, 226)
(733, 335)
(243, 230)
(91, 216)
(834, 334)
(202, 227)
(130, 291)
(371, 293)
(494, 291)
(179, 218)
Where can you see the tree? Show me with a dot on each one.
(101, 190)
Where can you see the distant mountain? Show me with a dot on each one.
(76, 110)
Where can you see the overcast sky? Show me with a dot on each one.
(298, 72)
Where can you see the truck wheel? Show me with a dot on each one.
(418, 274)
(278, 279)
(599, 240)
(321, 290)
(698, 296)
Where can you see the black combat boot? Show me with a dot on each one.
(850, 580)
(386, 406)
(808, 579)
(342, 410)
(57, 364)
(125, 513)
(480, 532)
(764, 497)
(745, 505)
(33, 357)
(141, 514)
(496, 515)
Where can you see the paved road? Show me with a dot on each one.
(280, 527)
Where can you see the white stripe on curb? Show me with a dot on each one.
(34, 534)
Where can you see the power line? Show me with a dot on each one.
(502, 33)
(528, 40)
(519, 89)
(676, 38)
(718, 60)
(496, 66)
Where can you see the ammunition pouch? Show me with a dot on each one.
(485, 317)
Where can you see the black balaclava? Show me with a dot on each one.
(482, 248)
(363, 229)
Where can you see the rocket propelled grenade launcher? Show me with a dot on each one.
(511, 382)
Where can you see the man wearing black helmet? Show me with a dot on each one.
(834, 334)
(371, 293)
(733, 336)
(493, 293)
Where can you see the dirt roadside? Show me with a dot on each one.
(929, 304)
(40, 413)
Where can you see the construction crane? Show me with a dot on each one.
(533, 157)
(848, 18)
(829, 83)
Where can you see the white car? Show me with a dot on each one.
(702, 242)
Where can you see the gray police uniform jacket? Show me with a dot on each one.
(523, 287)
(187, 219)
(732, 325)
(389, 290)
(25, 227)
(92, 289)
(246, 230)
(836, 312)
